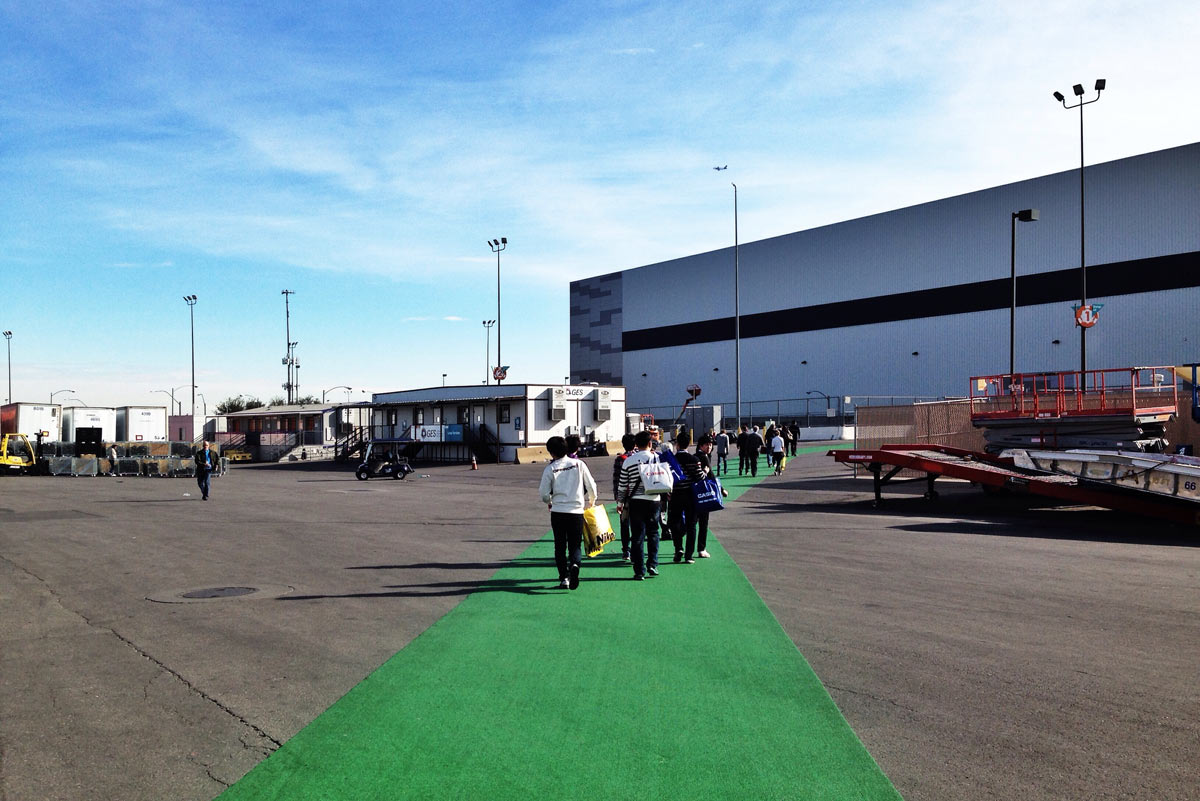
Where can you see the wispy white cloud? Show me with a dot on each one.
(319, 144)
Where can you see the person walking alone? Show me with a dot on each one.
(205, 464)
(567, 488)
(722, 443)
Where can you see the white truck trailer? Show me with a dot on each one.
(76, 418)
(142, 424)
(30, 418)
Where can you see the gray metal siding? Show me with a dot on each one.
(1137, 208)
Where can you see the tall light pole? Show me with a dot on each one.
(58, 391)
(8, 341)
(288, 360)
(190, 300)
(205, 402)
(1078, 90)
(1024, 215)
(487, 362)
(737, 317)
(498, 245)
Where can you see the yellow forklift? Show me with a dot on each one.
(16, 454)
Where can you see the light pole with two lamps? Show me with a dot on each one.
(171, 392)
(1078, 90)
(487, 360)
(497, 245)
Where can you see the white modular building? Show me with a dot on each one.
(100, 424)
(31, 418)
(914, 302)
(497, 421)
(142, 424)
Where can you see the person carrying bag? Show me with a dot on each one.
(568, 488)
(644, 480)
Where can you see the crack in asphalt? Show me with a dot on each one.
(146, 655)
(894, 703)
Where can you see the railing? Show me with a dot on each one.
(807, 412)
(1130, 392)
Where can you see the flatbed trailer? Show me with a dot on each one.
(1000, 473)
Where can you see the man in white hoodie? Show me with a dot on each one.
(568, 489)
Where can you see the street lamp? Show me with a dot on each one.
(205, 402)
(1025, 215)
(58, 391)
(443, 379)
(737, 317)
(1078, 90)
(498, 245)
(487, 364)
(324, 392)
(171, 392)
(822, 394)
(8, 341)
(190, 300)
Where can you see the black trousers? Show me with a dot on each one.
(568, 541)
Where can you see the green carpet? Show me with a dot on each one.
(682, 686)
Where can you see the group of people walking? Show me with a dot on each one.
(646, 518)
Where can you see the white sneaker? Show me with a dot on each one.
(703, 554)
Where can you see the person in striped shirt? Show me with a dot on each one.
(643, 509)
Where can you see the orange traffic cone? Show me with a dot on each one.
(474, 464)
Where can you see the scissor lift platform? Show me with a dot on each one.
(1001, 473)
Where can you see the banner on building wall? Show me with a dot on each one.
(452, 432)
(428, 433)
(603, 404)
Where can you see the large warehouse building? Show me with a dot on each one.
(913, 302)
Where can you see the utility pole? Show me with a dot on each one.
(288, 360)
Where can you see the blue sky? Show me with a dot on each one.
(362, 154)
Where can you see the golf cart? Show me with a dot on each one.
(383, 459)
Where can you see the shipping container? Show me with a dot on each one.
(142, 424)
(78, 418)
(30, 418)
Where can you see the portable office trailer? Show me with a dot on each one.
(30, 418)
(79, 418)
(142, 424)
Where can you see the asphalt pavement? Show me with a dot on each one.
(980, 647)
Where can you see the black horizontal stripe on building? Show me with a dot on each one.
(1177, 271)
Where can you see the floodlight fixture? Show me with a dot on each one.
(1101, 83)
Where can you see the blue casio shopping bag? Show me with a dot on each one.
(708, 495)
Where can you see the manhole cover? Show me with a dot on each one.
(199, 595)
(220, 592)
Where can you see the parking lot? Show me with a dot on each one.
(980, 648)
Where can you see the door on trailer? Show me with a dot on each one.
(88, 441)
